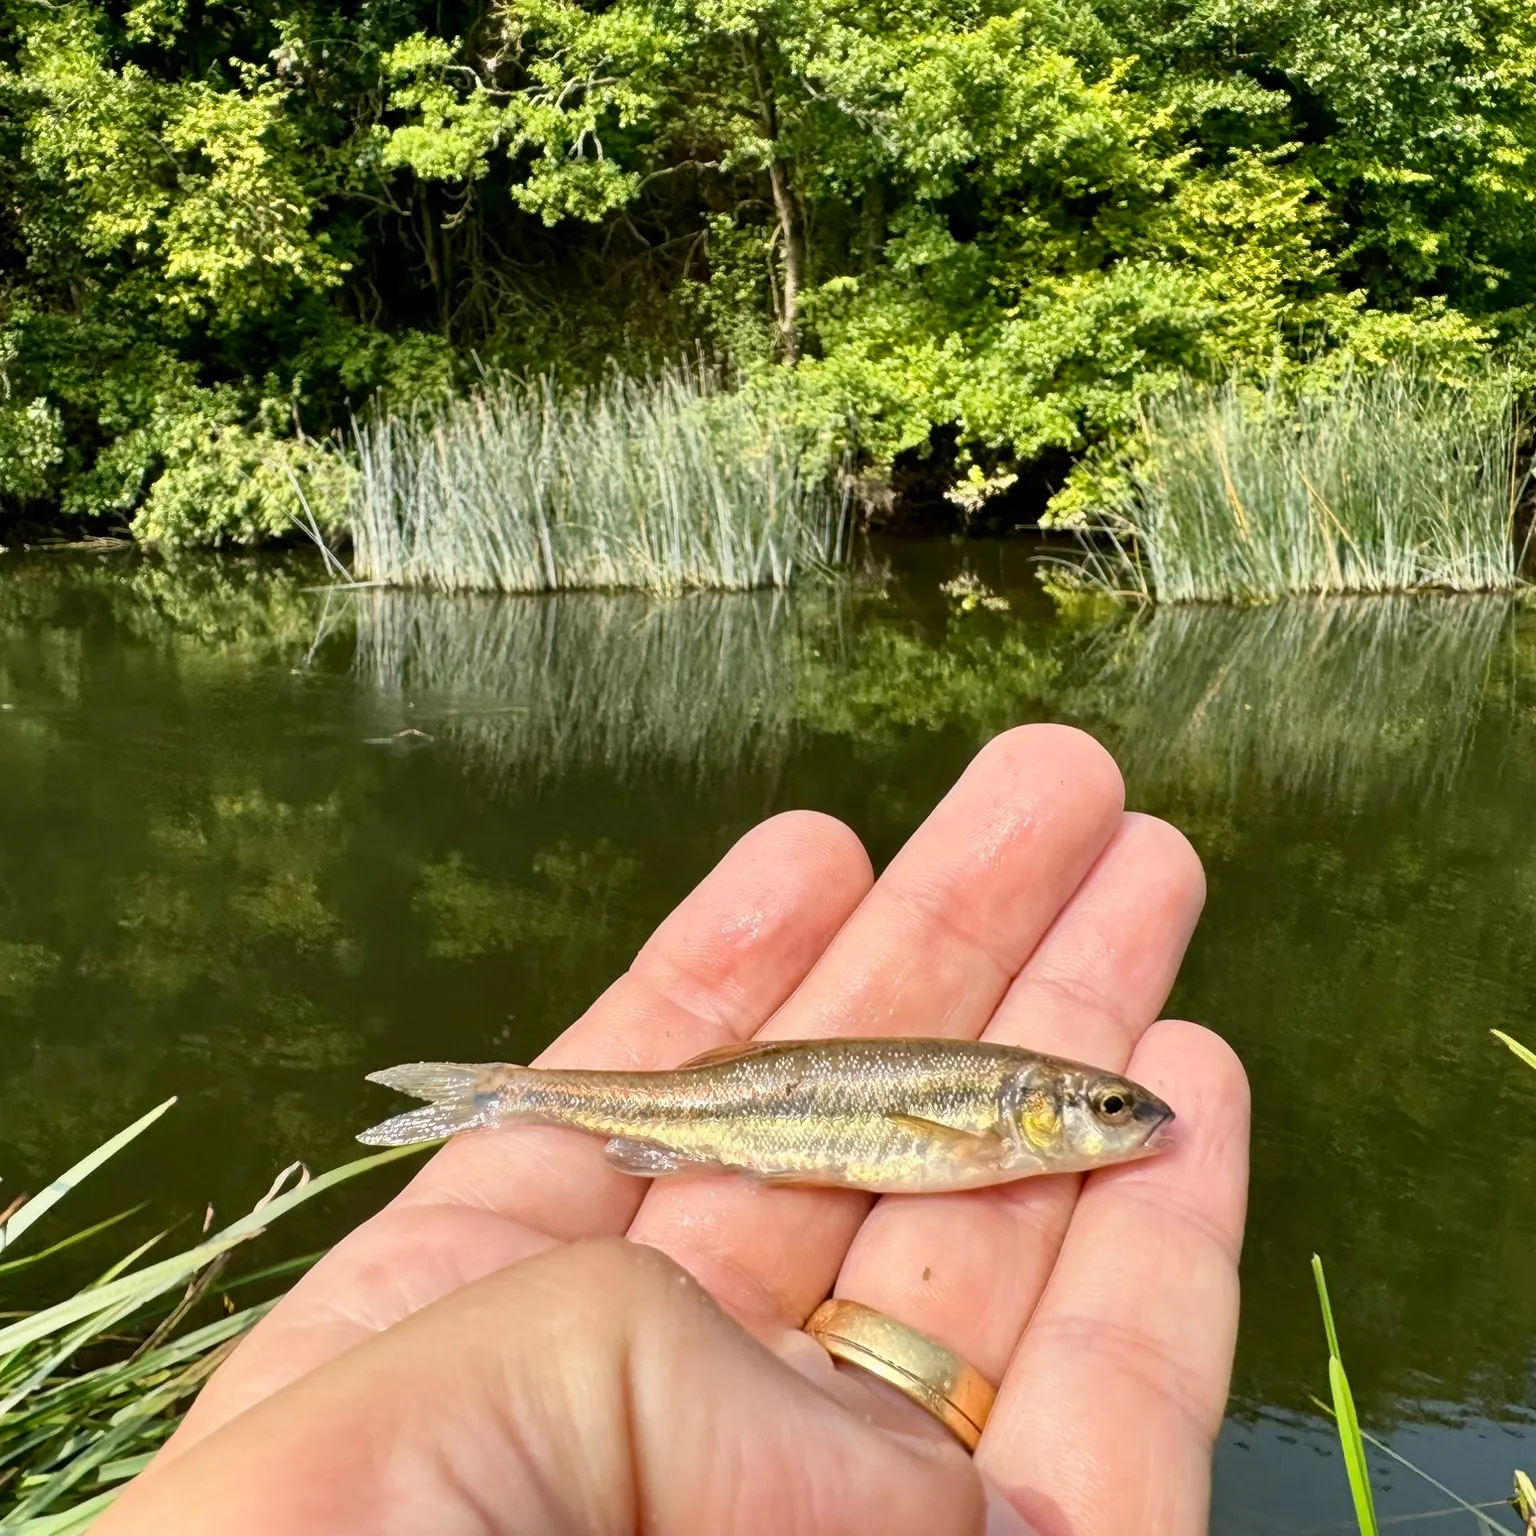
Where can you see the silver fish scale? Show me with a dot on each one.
(814, 1110)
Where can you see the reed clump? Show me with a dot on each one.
(93, 1385)
(1384, 481)
(660, 484)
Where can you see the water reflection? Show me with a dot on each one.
(212, 881)
(1347, 699)
(526, 689)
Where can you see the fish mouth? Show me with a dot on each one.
(1157, 1117)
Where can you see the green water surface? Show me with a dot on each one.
(224, 873)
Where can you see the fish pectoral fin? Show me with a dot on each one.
(774, 1180)
(981, 1146)
(721, 1053)
(650, 1160)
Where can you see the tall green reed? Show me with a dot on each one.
(1353, 1439)
(1385, 481)
(1348, 1420)
(660, 484)
(92, 1386)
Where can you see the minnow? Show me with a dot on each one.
(905, 1116)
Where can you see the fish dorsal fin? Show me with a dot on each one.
(740, 1048)
(985, 1146)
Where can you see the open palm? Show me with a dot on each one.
(1030, 909)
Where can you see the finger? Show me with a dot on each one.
(1117, 1389)
(715, 969)
(595, 1388)
(968, 1271)
(930, 951)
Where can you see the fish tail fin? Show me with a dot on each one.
(462, 1097)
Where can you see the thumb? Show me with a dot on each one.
(593, 1389)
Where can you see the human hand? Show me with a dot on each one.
(1029, 908)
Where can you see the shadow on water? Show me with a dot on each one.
(215, 880)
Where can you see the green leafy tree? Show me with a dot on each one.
(988, 225)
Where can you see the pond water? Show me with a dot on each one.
(225, 873)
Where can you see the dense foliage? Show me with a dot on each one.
(979, 225)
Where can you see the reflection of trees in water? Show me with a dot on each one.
(529, 688)
(1345, 698)
(189, 902)
(1356, 962)
(216, 609)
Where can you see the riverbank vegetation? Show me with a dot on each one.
(988, 233)
(662, 483)
(93, 1385)
(1388, 480)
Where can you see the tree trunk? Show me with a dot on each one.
(789, 231)
(789, 235)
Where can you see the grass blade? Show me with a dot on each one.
(46, 1199)
(1344, 1412)
(71, 1522)
(68, 1242)
(91, 1387)
(146, 1284)
(1525, 1055)
(1322, 1298)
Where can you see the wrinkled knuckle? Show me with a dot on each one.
(1141, 1363)
(936, 905)
(1194, 1219)
(1078, 984)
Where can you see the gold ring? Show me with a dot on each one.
(935, 1378)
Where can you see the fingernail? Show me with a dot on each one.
(1002, 1518)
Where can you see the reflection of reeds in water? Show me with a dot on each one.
(532, 687)
(1348, 697)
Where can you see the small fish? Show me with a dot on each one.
(906, 1116)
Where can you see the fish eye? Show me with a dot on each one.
(1112, 1106)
